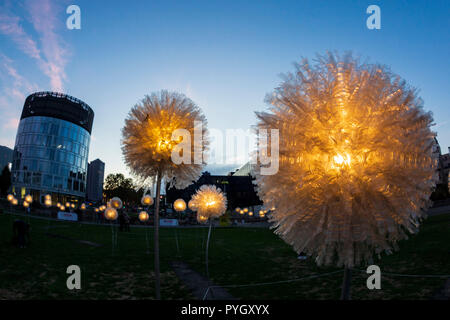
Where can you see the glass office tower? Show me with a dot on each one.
(52, 147)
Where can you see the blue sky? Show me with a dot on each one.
(225, 55)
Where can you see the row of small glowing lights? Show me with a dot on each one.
(116, 203)
(262, 213)
(47, 202)
(179, 205)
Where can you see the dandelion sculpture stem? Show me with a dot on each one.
(146, 234)
(346, 284)
(207, 249)
(112, 238)
(156, 234)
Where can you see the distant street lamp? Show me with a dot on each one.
(28, 198)
(210, 202)
(143, 216)
(179, 205)
(111, 215)
(116, 203)
(147, 200)
(191, 205)
(48, 203)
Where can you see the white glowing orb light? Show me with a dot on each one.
(67, 204)
(237, 209)
(179, 205)
(147, 200)
(116, 203)
(48, 203)
(241, 212)
(10, 197)
(26, 204)
(58, 205)
(28, 198)
(48, 197)
(62, 208)
(250, 213)
(72, 205)
(83, 207)
(111, 214)
(191, 205)
(143, 216)
(245, 210)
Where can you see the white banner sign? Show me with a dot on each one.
(67, 216)
(168, 222)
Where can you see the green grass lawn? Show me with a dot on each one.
(237, 256)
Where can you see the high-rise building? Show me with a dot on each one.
(52, 147)
(6, 155)
(95, 177)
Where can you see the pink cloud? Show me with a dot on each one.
(12, 123)
(20, 84)
(44, 21)
(52, 57)
(9, 25)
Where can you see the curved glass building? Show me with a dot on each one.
(52, 147)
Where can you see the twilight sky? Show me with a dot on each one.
(225, 55)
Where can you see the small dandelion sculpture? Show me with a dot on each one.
(356, 167)
(209, 202)
(148, 144)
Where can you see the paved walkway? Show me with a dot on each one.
(198, 284)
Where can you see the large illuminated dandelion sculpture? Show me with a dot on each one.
(356, 167)
(209, 202)
(152, 133)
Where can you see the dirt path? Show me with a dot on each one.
(198, 284)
